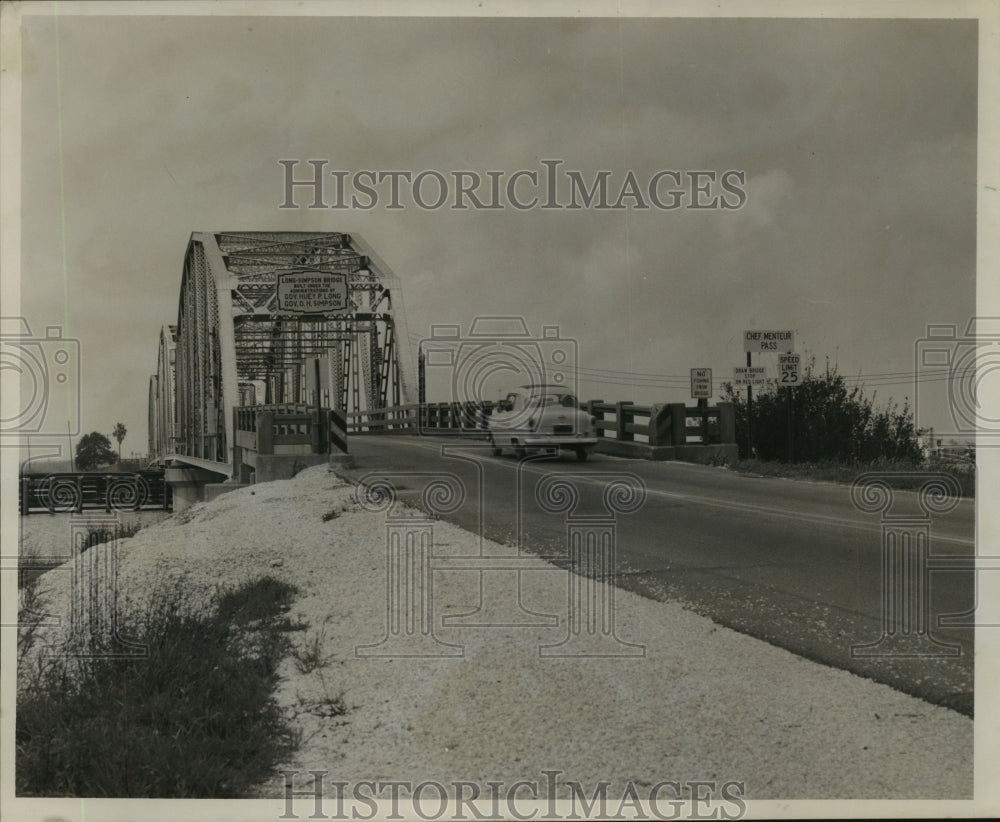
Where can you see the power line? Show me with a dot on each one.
(648, 379)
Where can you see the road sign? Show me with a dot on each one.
(744, 376)
(768, 342)
(788, 369)
(701, 383)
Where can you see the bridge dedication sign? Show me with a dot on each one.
(312, 292)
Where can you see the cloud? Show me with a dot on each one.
(767, 194)
(857, 138)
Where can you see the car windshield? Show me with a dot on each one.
(532, 396)
(548, 397)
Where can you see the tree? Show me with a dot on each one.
(119, 434)
(93, 451)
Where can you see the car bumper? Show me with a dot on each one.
(559, 442)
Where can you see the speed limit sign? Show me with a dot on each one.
(788, 369)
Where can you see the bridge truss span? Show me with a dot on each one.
(282, 317)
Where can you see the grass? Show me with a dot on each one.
(328, 706)
(30, 616)
(193, 718)
(909, 475)
(310, 657)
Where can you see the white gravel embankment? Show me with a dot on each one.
(704, 703)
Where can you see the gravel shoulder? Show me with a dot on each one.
(702, 703)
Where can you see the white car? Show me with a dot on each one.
(541, 417)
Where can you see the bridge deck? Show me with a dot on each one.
(224, 468)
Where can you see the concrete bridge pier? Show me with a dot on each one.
(190, 485)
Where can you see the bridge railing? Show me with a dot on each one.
(398, 418)
(664, 423)
(432, 417)
(657, 424)
(73, 492)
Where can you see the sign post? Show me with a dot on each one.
(749, 413)
(747, 378)
(701, 390)
(762, 342)
(791, 427)
(788, 367)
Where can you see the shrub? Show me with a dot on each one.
(194, 717)
(255, 599)
(822, 419)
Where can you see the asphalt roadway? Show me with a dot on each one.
(794, 563)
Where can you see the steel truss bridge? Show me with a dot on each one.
(237, 343)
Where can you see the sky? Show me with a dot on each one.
(857, 138)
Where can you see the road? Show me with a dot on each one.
(793, 563)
